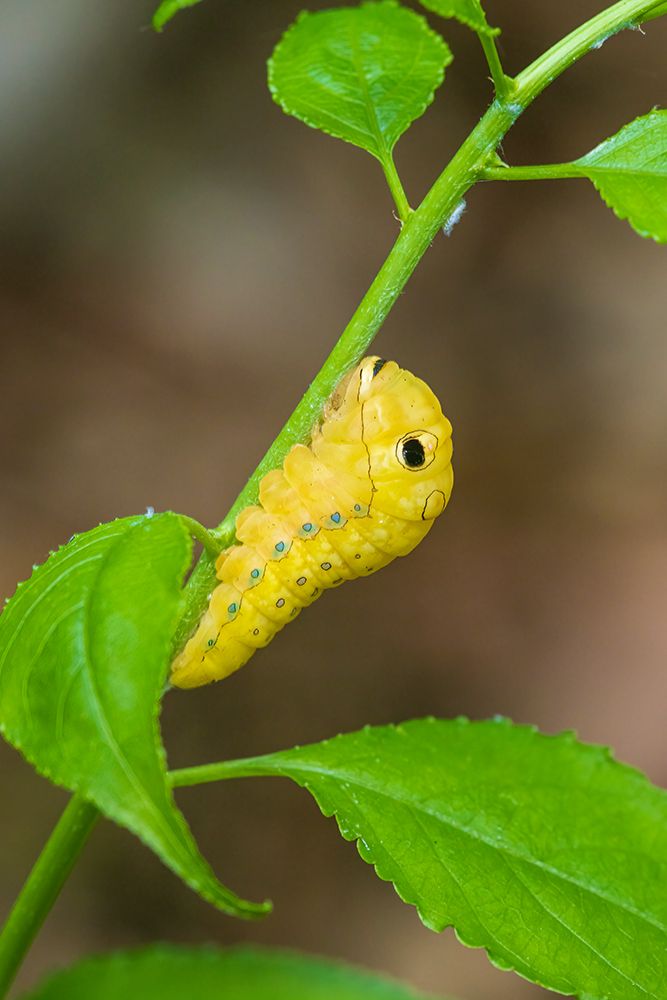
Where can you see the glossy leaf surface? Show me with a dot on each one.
(630, 172)
(543, 850)
(362, 74)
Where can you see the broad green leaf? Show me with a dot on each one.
(165, 972)
(630, 172)
(169, 9)
(84, 651)
(362, 74)
(545, 851)
(468, 12)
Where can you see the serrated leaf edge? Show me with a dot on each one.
(625, 216)
(592, 168)
(448, 58)
(604, 753)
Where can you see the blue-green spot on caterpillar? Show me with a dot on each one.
(367, 489)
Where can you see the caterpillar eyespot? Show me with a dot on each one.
(367, 489)
(417, 449)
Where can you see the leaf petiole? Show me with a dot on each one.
(205, 774)
(209, 541)
(396, 188)
(502, 83)
(540, 172)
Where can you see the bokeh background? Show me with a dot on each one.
(177, 258)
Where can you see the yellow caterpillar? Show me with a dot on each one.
(367, 489)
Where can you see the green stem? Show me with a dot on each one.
(418, 232)
(396, 188)
(542, 172)
(208, 540)
(204, 774)
(42, 886)
(503, 84)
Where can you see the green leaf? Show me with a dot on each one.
(168, 973)
(169, 9)
(545, 851)
(468, 12)
(84, 653)
(362, 74)
(630, 172)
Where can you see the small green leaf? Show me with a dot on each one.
(84, 652)
(362, 74)
(630, 172)
(169, 9)
(468, 12)
(545, 851)
(164, 972)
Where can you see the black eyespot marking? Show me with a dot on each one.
(416, 450)
(378, 366)
(413, 453)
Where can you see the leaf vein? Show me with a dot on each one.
(503, 849)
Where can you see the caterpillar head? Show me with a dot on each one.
(385, 435)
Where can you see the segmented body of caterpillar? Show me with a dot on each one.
(367, 489)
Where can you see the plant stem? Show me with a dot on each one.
(396, 188)
(204, 774)
(418, 232)
(502, 83)
(542, 172)
(208, 540)
(42, 886)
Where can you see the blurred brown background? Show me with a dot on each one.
(177, 258)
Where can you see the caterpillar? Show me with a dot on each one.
(367, 489)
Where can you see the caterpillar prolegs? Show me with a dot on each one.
(367, 489)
